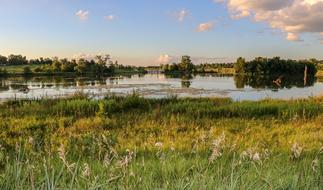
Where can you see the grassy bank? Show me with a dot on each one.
(136, 143)
(19, 70)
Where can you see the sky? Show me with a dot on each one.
(153, 32)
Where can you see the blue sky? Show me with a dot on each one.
(147, 32)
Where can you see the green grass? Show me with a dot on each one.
(17, 69)
(136, 143)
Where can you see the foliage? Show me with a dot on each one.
(27, 70)
(270, 66)
(3, 72)
(99, 66)
(185, 66)
(3, 60)
(17, 60)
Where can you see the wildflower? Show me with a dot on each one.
(266, 154)
(296, 151)
(315, 165)
(61, 153)
(107, 160)
(159, 145)
(86, 170)
(251, 155)
(321, 150)
(31, 140)
(216, 153)
(127, 159)
(256, 157)
(217, 148)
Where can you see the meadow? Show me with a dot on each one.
(171, 143)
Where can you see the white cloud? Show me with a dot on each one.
(205, 26)
(109, 18)
(85, 56)
(291, 16)
(83, 15)
(293, 37)
(181, 15)
(164, 59)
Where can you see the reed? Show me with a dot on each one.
(172, 143)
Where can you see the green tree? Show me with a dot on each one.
(56, 65)
(186, 64)
(68, 66)
(27, 70)
(239, 66)
(17, 60)
(3, 60)
(81, 66)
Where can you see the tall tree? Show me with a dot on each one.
(239, 66)
(3, 60)
(186, 64)
(17, 60)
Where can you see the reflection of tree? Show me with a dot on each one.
(3, 86)
(186, 83)
(285, 81)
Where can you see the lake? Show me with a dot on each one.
(160, 85)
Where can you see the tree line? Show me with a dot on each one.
(274, 66)
(101, 65)
(186, 66)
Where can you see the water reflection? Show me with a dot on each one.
(273, 82)
(186, 80)
(159, 85)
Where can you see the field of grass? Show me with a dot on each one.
(17, 69)
(136, 143)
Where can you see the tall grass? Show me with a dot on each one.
(137, 143)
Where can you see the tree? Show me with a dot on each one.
(103, 63)
(81, 66)
(239, 66)
(27, 70)
(68, 66)
(17, 60)
(56, 65)
(186, 64)
(3, 60)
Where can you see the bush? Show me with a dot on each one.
(3, 72)
(27, 70)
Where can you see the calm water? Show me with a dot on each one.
(159, 85)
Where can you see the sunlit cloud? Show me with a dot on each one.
(293, 37)
(203, 27)
(293, 17)
(164, 59)
(83, 15)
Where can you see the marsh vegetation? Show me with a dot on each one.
(170, 143)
